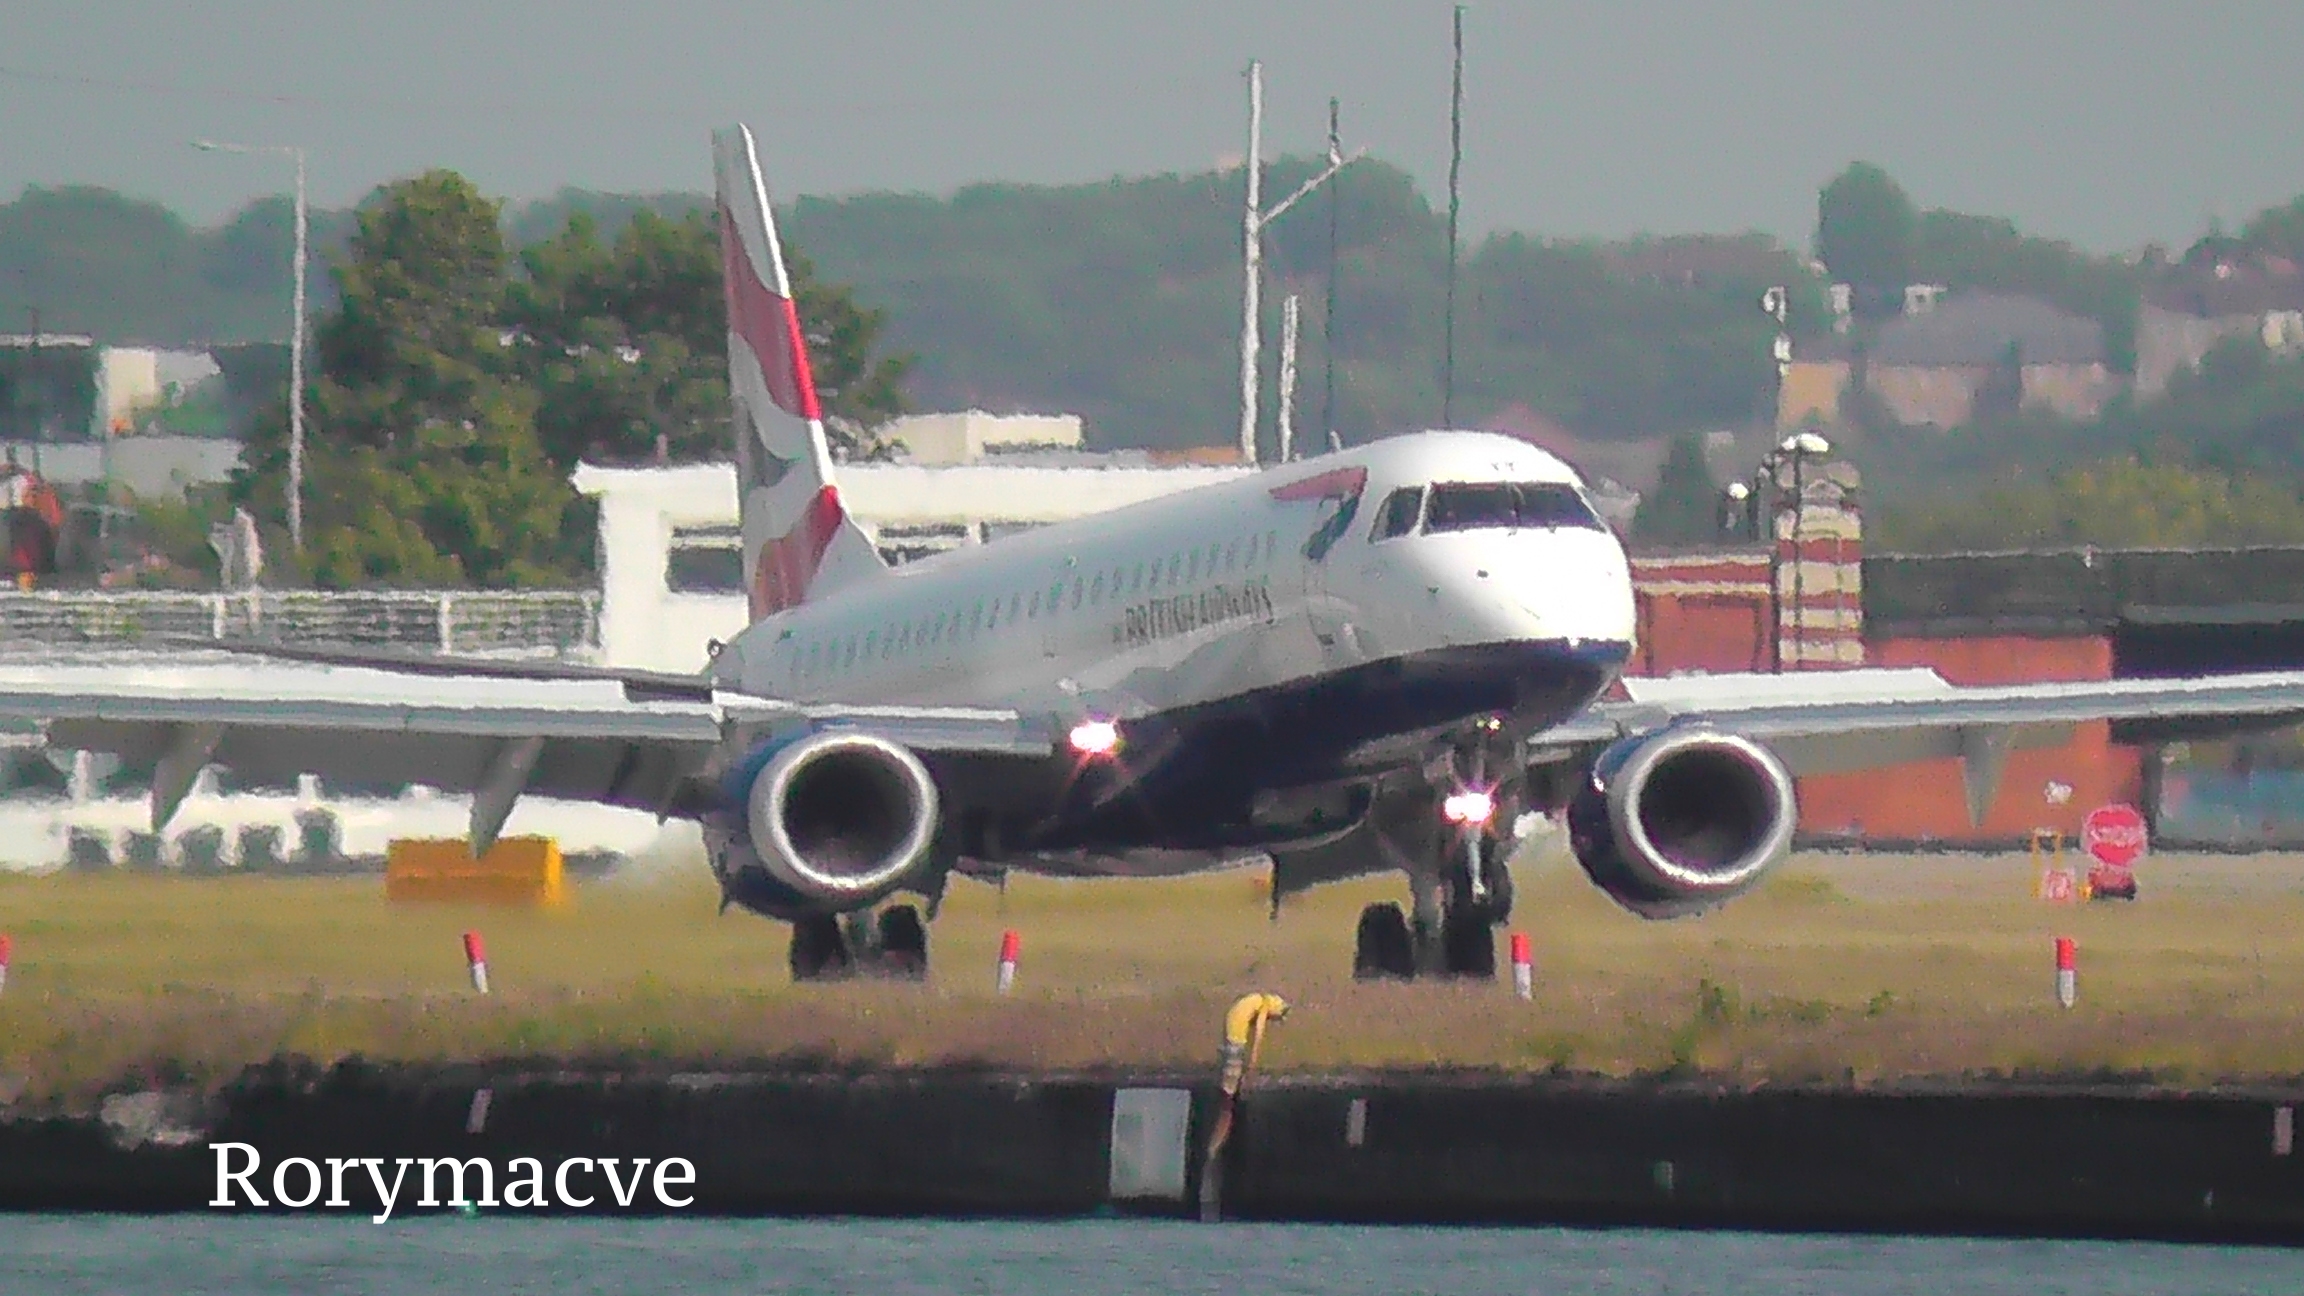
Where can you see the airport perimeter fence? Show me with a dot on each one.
(560, 624)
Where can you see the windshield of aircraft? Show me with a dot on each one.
(1498, 506)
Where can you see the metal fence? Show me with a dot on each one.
(558, 623)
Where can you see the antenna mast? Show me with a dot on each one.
(1252, 224)
(1252, 261)
(1328, 324)
(1288, 378)
(1455, 176)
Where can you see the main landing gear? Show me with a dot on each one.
(1457, 908)
(832, 947)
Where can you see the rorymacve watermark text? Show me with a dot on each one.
(299, 1182)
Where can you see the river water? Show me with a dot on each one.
(248, 1256)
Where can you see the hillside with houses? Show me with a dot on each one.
(1945, 355)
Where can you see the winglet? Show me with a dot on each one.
(1983, 761)
(190, 748)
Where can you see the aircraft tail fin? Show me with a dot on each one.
(799, 540)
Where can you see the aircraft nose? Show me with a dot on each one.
(1567, 585)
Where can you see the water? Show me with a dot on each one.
(248, 1256)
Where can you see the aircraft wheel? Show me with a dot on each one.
(1382, 948)
(819, 949)
(903, 943)
(1468, 945)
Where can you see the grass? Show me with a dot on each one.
(1842, 968)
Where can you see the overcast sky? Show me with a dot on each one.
(2111, 122)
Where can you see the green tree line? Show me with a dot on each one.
(457, 385)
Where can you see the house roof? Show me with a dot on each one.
(1978, 328)
(2211, 286)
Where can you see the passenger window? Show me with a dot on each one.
(976, 619)
(1078, 588)
(1096, 593)
(1401, 511)
(1136, 582)
(937, 635)
(849, 660)
(1232, 556)
(1055, 596)
(1014, 601)
(1192, 572)
(1035, 612)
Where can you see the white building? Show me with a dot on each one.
(671, 572)
(973, 435)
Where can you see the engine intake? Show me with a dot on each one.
(841, 818)
(1674, 823)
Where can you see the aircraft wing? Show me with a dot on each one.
(496, 737)
(1831, 722)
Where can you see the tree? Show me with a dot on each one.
(2128, 501)
(1684, 508)
(422, 460)
(626, 344)
(1866, 231)
(2001, 395)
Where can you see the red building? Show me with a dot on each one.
(1801, 604)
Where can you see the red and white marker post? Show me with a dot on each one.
(7, 948)
(2067, 972)
(1523, 966)
(1010, 946)
(477, 956)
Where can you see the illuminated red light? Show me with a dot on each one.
(1470, 806)
(1095, 738)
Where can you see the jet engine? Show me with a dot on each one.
(841, 817)
(1674, 823)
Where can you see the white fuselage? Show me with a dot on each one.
(1209, 594)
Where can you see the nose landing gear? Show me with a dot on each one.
(1459, 884)
(1457, 909)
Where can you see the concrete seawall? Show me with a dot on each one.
(2105, 1160)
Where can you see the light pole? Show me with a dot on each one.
(295, 336)
(1252, 223)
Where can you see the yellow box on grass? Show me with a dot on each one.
(515, 871)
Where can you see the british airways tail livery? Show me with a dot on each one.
(798, 537)
(1377, 661)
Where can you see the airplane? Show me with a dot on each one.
(1385, 659)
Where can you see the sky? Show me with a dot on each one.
(2109, 122)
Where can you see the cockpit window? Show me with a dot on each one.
(1497, 506)
(1401, 510)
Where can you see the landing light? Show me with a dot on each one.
(1095, 738)
(1468, 807)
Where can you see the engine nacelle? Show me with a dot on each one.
(841, 817)
(1674, 823)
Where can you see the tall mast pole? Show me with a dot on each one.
(1288, 315)
(1252, 263)
(296, 375)
(1328, 323)
(1455, 176)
